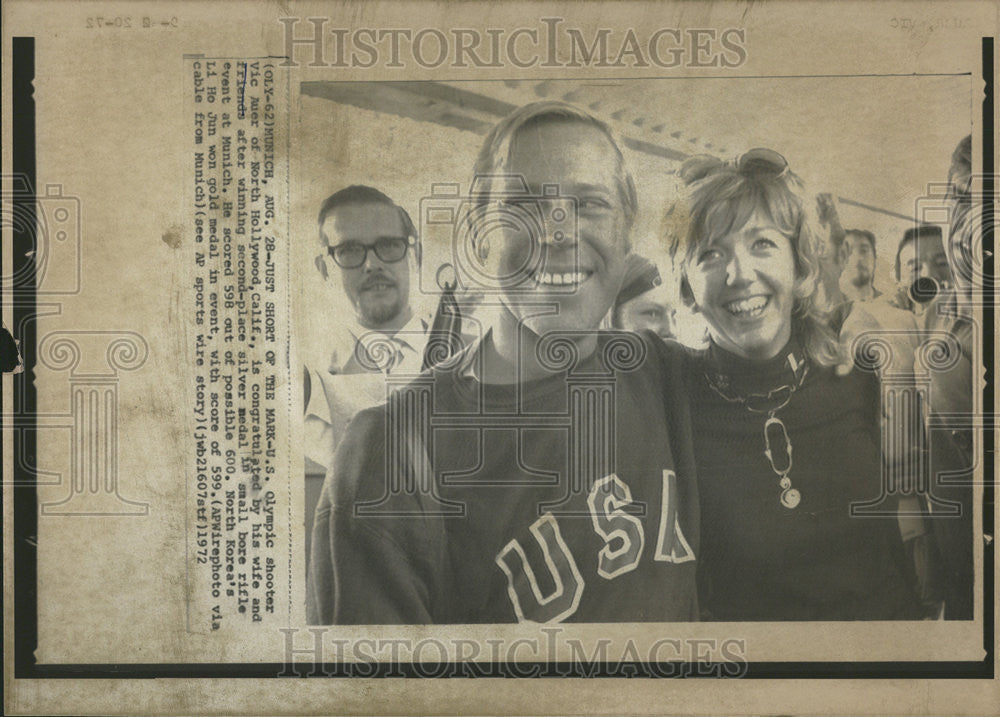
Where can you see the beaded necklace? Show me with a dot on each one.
(774, 427)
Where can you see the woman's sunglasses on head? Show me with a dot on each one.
(762, 161)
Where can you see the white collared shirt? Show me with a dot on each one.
(360, 359)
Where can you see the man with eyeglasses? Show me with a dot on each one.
(370, 239)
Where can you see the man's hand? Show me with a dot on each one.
(831, 251)
(825, 208)
(901, 299)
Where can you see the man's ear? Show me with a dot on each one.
(417, 255)
(321, 266)
(687, 296)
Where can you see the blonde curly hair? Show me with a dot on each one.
(719, 198)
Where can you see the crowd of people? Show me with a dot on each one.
(556, 453)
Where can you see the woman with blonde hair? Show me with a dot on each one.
(779, 541)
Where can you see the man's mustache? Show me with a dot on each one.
(377, 279)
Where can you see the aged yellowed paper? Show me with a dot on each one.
(359, 341)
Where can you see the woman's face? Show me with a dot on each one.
(744, 284)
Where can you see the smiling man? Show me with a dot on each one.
(544, 473)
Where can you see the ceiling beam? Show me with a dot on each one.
(460, 109)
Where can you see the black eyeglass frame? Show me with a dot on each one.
(378, 247)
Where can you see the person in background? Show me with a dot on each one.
(950, 324)
(644, 303)
(778, 538)
(922, 269)
(865, 318)
(858, 275)
(372, 241)
(369, 242)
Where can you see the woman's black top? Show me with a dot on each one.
(759, 559)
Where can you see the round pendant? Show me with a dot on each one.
(785, 483)
(790, 498)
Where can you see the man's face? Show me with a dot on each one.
(924, 257)
(859, 261)
(378, 290)
(650, 311)
(558, 281)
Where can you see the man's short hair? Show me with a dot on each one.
(866, 235)
(361, 194)
(910, 236)
(495, 151)
(960, 171)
